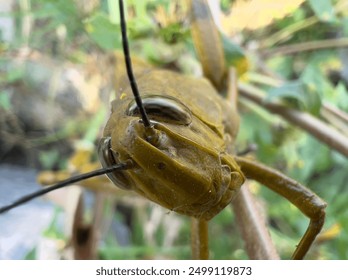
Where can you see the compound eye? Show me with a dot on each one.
(163, 108)
(107, 159)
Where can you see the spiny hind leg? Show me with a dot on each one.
(304, 199)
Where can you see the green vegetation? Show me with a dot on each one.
(310, 79)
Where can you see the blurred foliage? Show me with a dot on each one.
(159, 33)
(324, 10)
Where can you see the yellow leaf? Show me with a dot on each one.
(330, 233)
(256, 14)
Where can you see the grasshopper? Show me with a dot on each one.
(172, 144)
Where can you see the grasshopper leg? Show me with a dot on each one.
(199, 239)
(304, 199)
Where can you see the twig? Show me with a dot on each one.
(343, 116)
(307, 46)
(252, 226)
(309, 123)
(329, 113)
(287, 32)
(335, 117)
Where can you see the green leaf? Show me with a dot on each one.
(339, 96)
(49, 158)
(291, 92)
(53, 231)
(234, 55)
(314, 84)
(31, 255)
(174, 33)
(103, 32)
(140, 8)
(304, 93)
(114, 11)
(282, 65)
(314, 158)
(93, 129)
(158, 52)
(14, 74)
(59, 12)
(324, 10)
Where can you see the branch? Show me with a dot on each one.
(335, 117)
(252, 226)
(307, 46)
(307, 122)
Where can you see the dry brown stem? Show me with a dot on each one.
(252, 226)
(307, 46)
(307, 122)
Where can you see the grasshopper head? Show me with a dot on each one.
(186, 169)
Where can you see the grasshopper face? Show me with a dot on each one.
(188, 170)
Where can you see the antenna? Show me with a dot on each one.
(128, 62)
(64, 183)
